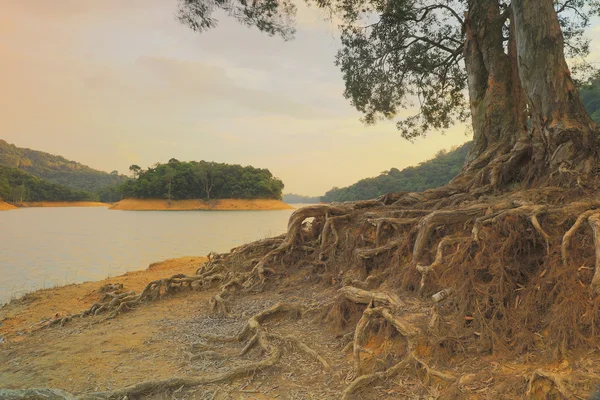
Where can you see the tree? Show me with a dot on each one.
(17, 193)
(135, 170)
(169, 175)
(204, 178)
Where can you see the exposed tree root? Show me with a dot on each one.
(304, 348)
(594, 221)
(510, 275)
(425, 270)
(375, 299)
(408, 331)
(556, 379)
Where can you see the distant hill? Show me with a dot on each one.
(429, 174)
(292, 198)
(17, 186)
(56, 169)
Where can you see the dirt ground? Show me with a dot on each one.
(161, 339)
(150, 342)
(5, 206)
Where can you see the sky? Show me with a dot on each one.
(110, 83)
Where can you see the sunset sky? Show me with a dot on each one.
(110, 83)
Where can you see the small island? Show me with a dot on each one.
(200, 185)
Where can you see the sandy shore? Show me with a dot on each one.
(63, 204)
(24, 314)
(193, 205)
(5, 206)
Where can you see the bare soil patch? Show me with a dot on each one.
(195, 204)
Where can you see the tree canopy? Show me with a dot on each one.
(202, 180)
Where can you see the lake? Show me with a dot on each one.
(45, 247)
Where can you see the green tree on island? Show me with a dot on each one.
(202, 180)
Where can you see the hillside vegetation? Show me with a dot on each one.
(590, 95)
(427, 175)
(57, 169)
(292, 198)
(17, 187)
(179, 180)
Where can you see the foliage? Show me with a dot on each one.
(57, 169)
(109, 194)
(292, 198)
(427, 175)
(202, 180)
(274, 17)
(406, 53)
(590, 95)
(17, 186)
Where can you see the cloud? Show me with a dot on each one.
(210, 83)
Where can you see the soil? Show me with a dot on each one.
(157, 341)
(5, 206)
(193, 205)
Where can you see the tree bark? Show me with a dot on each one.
(563, 136)
(529, 123)
(497, 99)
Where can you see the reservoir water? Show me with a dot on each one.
(46, 247)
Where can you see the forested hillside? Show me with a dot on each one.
(292, 198)
(201, 180)
(17, 186)
(590, 95)
(429, 174)
(56, 169)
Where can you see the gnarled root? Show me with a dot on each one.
(556, 380)
(115, 303)
(425, 270)
(376, 299)
(407, 330)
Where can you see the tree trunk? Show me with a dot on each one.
(497, 99)
(557, 143)
(563, 136)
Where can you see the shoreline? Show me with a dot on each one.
(24, 314)
(31, 204)
(5, 206)
(201, 205)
